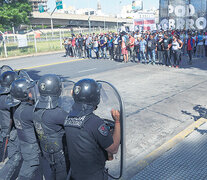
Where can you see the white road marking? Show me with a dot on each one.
(86, 70)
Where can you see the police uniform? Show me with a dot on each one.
(87, 135)
(87, 138)
(28, 143)
(48, 120)
(4, 123)
(7, 172)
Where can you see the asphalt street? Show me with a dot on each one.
(159, 101)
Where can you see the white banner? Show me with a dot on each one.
(22, 41)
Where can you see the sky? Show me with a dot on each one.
(108, 6)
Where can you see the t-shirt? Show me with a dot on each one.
(142, 45)
(73, 42)
(151, 44)
(190, 43)
(159, 45)
(166, 42)
(200, 40)
(131, 41)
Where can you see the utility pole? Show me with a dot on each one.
(52, 20)
(89, 16)
(59, 5)
(4, 44)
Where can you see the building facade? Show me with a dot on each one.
(183, 14)
(36, 3)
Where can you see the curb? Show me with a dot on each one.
(169, 145)
(31, 55)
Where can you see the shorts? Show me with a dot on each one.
(124, 51)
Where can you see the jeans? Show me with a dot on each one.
(103, 53)
(176, 57)
(80, 51)
(200, 51)
(88, 52)
(117, 52)
(190, 54)
(166, 55)
(95, 49)
(151, 55)
(160, 57)
(74, 51)
(111, 52)
(132, 53)
(142, 56)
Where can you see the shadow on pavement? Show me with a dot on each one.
(35, 75)
(202, 111)
(199, 63)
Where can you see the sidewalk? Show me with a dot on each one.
(186, 160)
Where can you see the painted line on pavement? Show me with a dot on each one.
(44, 65)
(169, 144)
(86, 70)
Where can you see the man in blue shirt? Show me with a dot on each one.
(142, 50)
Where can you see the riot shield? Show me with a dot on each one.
(23, 74)
(5, 68)
(111, 99)
(66, 100)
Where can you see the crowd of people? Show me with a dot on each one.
(150, 47)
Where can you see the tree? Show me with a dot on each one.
(14, 12)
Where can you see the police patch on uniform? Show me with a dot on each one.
(77, 89)
(103, 130)
(42, 86)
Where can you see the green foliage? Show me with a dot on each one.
(14, 13)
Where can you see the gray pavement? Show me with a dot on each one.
(159, 101)
(187, 160)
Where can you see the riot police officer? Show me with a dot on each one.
(89, 140)
(7, 131)
(22, 98)
(48, 121)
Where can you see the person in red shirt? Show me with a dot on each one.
(73, 46)
(131, 47)
(190, 47)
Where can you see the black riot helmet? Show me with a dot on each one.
(87, 91)
(6, 80)
(20, 91)
(50, 88)
(21, 88)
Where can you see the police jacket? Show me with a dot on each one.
(87, 138)
(50, 133)
(4, 117)
(26, 133)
